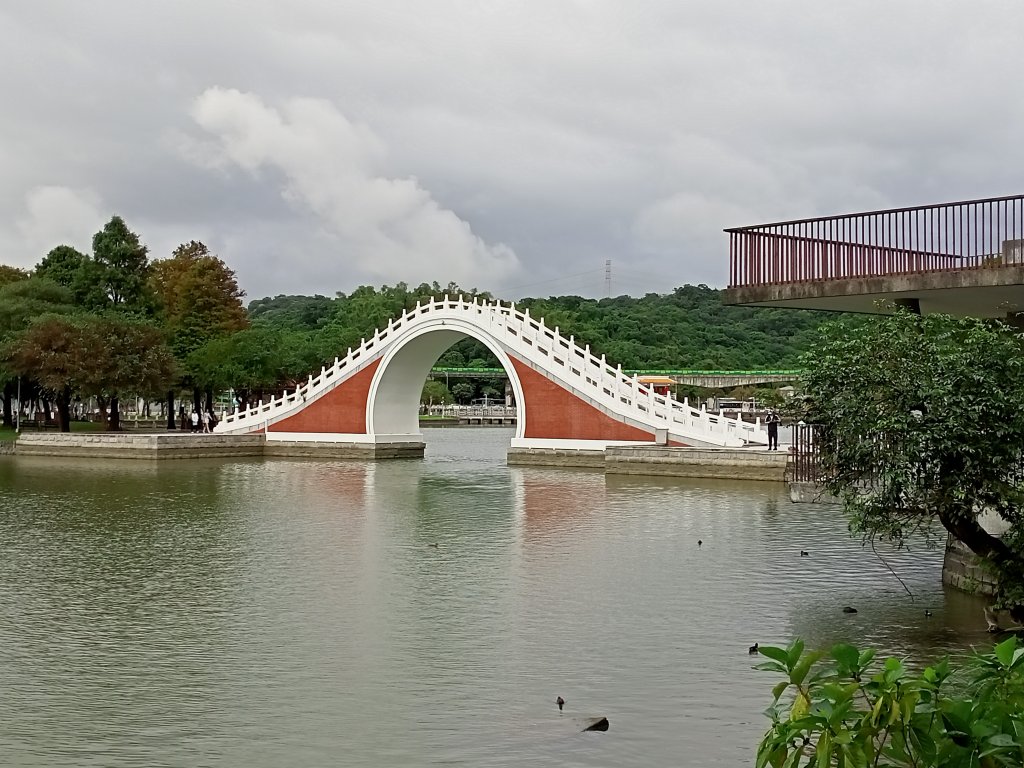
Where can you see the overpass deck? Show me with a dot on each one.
(963, 258)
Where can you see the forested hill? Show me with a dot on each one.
(687, 328)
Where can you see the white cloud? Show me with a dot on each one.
(391, 228)
(58, 216)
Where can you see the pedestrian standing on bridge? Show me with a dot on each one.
(771, 420)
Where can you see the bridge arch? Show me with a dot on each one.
(566, 397)
(394, 397)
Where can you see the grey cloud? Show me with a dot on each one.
(571, 132)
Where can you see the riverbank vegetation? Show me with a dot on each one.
(921, 419)
(844, 708)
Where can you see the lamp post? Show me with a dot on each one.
(17, 415)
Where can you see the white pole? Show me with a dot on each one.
(17, 416)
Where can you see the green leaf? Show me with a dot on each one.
(1005, 650)
(803, 666)
(779, 689)
(772, 666)
(1002, 740)
(778, 654)
(794, 652)
(846, 655)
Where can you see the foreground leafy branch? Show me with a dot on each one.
(843, 709)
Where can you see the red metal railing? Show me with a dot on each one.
(973, 234)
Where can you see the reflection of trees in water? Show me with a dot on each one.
(893, 623)
(134, 555)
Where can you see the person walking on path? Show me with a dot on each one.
(195, 421)
(206, 422)
(771, 420)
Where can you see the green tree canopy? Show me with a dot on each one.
(10, 274)
(90, 355)
(63, 265)
(23, 301)
(120, 269)
(199, 297)
(922, 419)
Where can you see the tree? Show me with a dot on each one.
(199, 300)
(922, 419)
(121, 268)
(10, 275)
(199, 297)
(255, 360)
(90, 355)
(463, 391)
(123, 355)
(435, 392)
(62, 265)
(21, 303)
(51, 352)
(845, 710)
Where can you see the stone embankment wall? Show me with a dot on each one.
(810, 493)
(188, 446)
(555, 457)
(6, 448)
(962, 569)
(134, 446)
(723, 463)
(324, 450)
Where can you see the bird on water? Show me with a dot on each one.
(849, 609)
(753, 649)
(560, 702)
(804, 553)
(699, 542)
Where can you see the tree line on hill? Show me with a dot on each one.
(115, 323)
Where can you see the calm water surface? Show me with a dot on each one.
(419, 613)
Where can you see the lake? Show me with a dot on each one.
(420, 613)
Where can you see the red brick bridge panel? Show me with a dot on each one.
(342, 410)
(554, 413)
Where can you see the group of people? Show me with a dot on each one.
(198, 421)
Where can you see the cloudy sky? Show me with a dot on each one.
(510, 145)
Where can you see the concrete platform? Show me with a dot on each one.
(325, 450)
(135, 446)
(722, 463)
(189, 446)
(555, 457)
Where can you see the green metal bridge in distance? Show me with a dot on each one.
(709, 379)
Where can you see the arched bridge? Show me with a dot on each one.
(566, 397)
